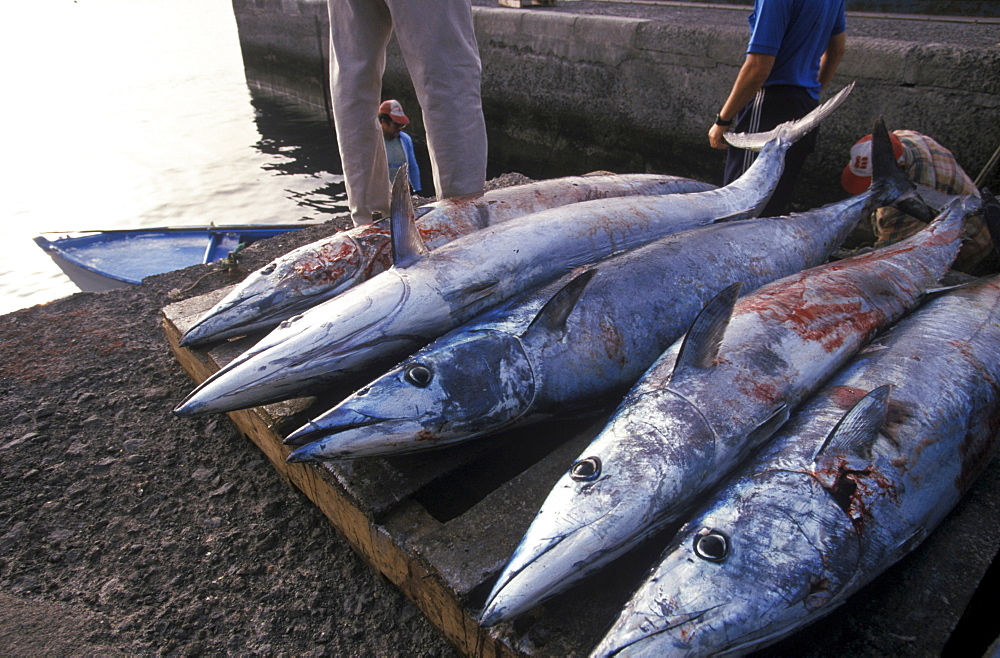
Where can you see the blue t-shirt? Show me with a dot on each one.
(796, 33)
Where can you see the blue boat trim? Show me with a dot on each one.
(102, 260)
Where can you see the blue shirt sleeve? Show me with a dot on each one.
(768, 24)
(411, 162)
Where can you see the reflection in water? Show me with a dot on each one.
(137, 114)
(301, 146)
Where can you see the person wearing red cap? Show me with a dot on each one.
(927, 163)
(439, 47)
(795, 48)
(398, 145)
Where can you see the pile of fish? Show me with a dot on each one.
(427, 293)
(323, 269)
(747, 371)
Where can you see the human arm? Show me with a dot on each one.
(830, 60)
(754, 72)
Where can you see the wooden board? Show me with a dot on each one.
(441, 526)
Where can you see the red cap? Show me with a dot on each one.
(857, 175)
(394, 110)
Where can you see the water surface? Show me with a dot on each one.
(132, 113)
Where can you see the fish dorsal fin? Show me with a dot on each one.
(552, 317)
(857, 431)
(701, 343)
(771, 424)
(407, 247)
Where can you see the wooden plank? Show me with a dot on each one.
(406, 569)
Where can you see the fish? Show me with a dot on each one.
(321, 270)
(579, 343)
(711, 398)
(426, 293)
(859, 476)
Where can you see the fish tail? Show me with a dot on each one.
(790, 131)
(890, 183)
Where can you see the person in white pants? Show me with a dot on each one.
(439, 47)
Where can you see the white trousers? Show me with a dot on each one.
(439, 47)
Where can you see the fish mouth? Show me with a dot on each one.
(204, 331)
(223, 322)
(671, 622)
(338, 421)
(500, 606)
(345, 433)
(492, 612)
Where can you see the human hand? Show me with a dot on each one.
(715, 138)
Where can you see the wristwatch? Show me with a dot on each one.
(719, 121)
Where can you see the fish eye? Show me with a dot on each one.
(419, 375)
(586, 469)
(268, 269)
(711, 545)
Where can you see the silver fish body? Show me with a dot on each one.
(710, 399)
(318, 271)
(514, 364)
(427, 293)
(854, 481)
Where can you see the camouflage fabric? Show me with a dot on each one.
(929, 163)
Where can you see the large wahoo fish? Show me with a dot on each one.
(315, 272)
(855, 480)
(582, 339)
(710, 399)
(425, 294)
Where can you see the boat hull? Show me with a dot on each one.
(103, 260)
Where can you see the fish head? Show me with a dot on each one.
(330, 344)
(283, 288)
(616, 494)
(770, 555)
(465, 385)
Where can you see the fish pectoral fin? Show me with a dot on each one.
(701, 343)
(552, 317)
(407, 246)
(856, 433)
(770, 425)
(473, 293)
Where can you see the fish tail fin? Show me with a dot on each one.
(407, 246)
(890, 183)
(790, 131)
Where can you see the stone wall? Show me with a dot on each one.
(566, 93)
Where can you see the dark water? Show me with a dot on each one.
(137, 113)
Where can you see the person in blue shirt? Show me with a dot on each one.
(794, 50)
(398, 145)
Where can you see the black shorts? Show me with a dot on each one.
(771, 106)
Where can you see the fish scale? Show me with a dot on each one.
(711, 399)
